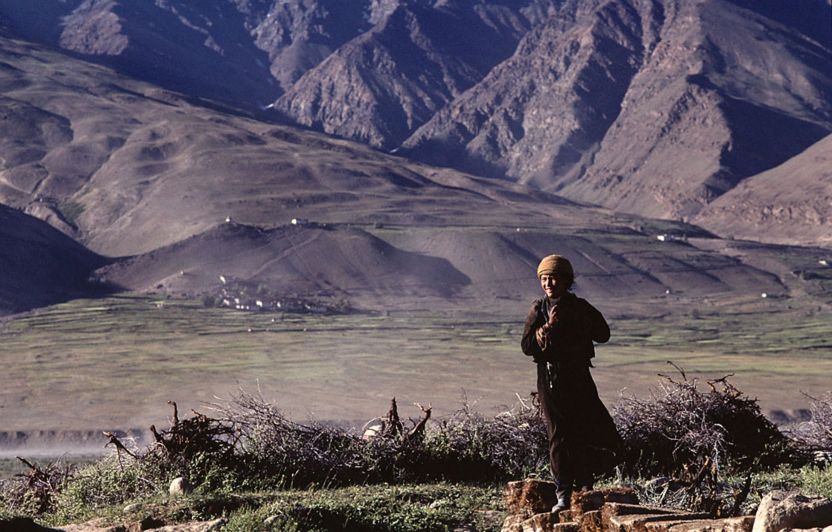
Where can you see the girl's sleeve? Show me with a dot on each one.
(599, 330)
(529, 343)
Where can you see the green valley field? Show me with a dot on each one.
(115, 362)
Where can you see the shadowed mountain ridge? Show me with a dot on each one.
(789, 203)
(41, 266)
(382, 85)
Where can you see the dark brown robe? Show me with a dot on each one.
(583, 440)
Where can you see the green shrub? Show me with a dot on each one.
(107, 483)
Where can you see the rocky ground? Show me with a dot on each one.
(617, 509)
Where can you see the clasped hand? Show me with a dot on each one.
(542, 333)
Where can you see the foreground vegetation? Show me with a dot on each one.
(702, 447)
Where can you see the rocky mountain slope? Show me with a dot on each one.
(381, 86)
(651, 107)
(298, 35)
(134, 171)
(204, 50)
(789, 203)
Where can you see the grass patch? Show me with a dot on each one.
(813, 481)
(376, 508)
(406, 508)
(71, 210)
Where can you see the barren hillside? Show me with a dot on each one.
(787, 204)
(126, 167)
(651, 107)
(186, 194)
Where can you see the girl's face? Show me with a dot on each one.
(553, 285)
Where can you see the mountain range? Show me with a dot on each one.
(145, 130)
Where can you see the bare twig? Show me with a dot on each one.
(29, 464)
(417, 432)
(680, 370)
(394, 424)
(114, 441)
(175, 420)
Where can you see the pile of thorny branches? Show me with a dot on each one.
(36, 491)
(692, 434)
(466, 446)
(248, 443)
(682, 429)
(815, 435)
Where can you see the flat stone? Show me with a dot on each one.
(587, 501)
(591, 522)
(615, 508)
(542, 522)
(194, 526)
(732, 524)
(547, 522)
(640, 522)
(512, 523)
(780, 509)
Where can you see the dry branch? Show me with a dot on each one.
(681, 429)
(394, 424)
(39, 487)
(417, 433)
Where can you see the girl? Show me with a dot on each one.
(559, 334)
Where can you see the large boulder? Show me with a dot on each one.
(780, 509)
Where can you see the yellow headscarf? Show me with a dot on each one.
(555, 265)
